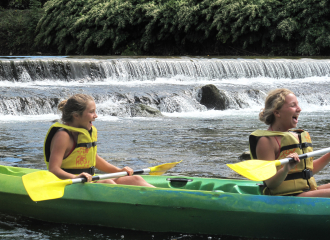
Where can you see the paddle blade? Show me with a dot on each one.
(161, 169)
(256, 170)
(44, 185)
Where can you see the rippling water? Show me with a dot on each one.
(204, 139)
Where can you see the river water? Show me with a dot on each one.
(205, 139)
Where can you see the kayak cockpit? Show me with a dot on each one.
(208, 184)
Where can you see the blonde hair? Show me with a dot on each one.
(76, 104)
(274, 101)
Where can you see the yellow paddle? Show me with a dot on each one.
(44, 185)
(261, 170)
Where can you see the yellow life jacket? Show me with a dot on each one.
(300, 178)
(83, 157)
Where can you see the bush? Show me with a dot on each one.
(178, 27)
(303, 27)
(17, 31)
(21, 4)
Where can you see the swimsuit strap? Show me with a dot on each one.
(279, 145)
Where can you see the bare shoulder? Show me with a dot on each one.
(61, 138)
(265, 149)
(264, 141)
(61, 135)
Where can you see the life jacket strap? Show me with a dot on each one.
(306, 174)
(300, 145)
(87, 145)
(90, 170)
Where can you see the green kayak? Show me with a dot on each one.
(179, 204)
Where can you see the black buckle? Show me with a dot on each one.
(305, 145)
(307, 174)
(86, 145)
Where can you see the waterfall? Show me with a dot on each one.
(122, 69)
(34, 86)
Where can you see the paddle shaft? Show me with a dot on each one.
(110, 175)
(305, 155)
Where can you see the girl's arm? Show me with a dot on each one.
(59, 145)
(265, 151)
(320, 163)
(104, 166)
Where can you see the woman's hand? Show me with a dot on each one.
(291, 165)
(85, 175)
(128, 170)
(279, 177)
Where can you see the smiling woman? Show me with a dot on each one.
(281, 113)
(70, 149)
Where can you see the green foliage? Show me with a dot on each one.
(81, 26)
(109, 26)
(271, 27)
(17, 30)
(21, 4)
(307, 24)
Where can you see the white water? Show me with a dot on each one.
(33, 85)
(188, 112)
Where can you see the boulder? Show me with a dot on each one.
(142, 110)
(245, 156)
(212, 98)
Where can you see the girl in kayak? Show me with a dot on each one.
(70, 149)
(281, 113)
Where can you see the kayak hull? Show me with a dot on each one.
(202, 206)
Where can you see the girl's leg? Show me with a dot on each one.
(322, 191)
(109, 181)
(325, 186)
(132, 180)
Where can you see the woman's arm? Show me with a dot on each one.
(266, 151)
(104, 166)
(320, 163)
(59, 145)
